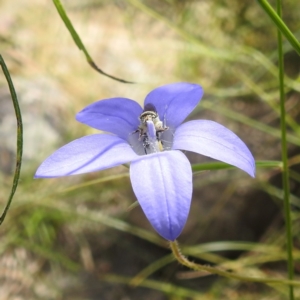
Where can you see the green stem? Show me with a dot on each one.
(284, 154)
(78, 42)
(214, 270)
(276, 18)
(19, 138)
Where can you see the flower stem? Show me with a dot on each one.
(285, 169)
(218, 271)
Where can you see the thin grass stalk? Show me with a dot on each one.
(79, 43)
(19, 137)
(285, 170)
(281, 26)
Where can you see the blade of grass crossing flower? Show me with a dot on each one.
(276, 18)
(216, 165)
(79, 43)
(19, 138)
(285, 171)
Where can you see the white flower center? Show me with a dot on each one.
(151, 141)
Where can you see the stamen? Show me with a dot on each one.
(152, 139)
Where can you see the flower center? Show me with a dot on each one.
(151, 132)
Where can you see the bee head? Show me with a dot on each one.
(149, 113)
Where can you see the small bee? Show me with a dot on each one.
(150, 114)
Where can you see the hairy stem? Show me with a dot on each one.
(218, 271)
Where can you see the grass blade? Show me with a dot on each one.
(79, 43)
(217, 165)
(280, 24)
(19, 138)
(284, 155)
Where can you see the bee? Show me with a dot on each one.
(150, 114)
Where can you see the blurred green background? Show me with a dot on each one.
(79, 237)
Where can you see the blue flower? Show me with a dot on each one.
(151, 139)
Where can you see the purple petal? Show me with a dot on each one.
(87, 154)
(116, 115)
(216, 141)
(162, 183)
(174, 102)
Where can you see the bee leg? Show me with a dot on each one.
(145, 142)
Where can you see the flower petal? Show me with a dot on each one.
(216, 141)
(87, 154)
(116, 115)
(162, 183)
(174, 102)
